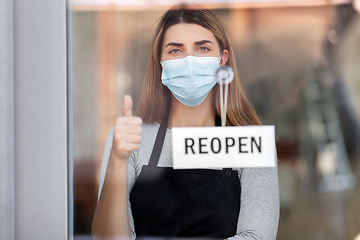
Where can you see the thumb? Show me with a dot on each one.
(127, 107)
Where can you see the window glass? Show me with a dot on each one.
(299, 65)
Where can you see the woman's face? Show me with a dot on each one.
(183, 39)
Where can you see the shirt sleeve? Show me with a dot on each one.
(260, 204)
(131, 182)
(259, 210)
(105, 160)
(131, 176)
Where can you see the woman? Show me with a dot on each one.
(141, 195)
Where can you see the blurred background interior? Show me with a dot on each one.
(299, 62)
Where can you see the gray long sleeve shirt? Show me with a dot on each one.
(259, 210)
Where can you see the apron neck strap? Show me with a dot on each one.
(217, 120)
(155, 155)
(159, 141)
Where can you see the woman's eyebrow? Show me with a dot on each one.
(174, 44)
(203, 42)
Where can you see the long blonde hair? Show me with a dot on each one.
(155, 98)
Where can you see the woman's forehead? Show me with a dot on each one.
(187, 33)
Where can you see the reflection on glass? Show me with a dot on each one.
(299, 66)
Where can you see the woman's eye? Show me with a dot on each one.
(175, 50)
(204, 48)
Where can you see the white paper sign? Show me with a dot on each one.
(223, 147)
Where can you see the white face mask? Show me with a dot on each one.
(190, 79)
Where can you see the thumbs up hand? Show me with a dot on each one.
(127, 132)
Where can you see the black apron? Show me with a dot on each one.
(190, 203)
